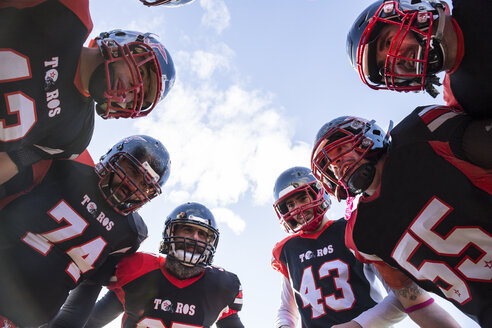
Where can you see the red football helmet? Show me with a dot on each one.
(139, 52)
(403, 69)
(169, 3)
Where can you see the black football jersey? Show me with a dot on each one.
(431, 216)
(329, 282)
(56, 236)
(153, 298)
(471, 84)
(40, 104)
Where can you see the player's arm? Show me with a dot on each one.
(287, 314)
(384, 314)
(8, 169)
(105, 311)
(418, 303)
(77, 307)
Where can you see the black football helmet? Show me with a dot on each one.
(139, 51)
(132, 172)
(169, 3)
(189, 251)
(413, 18)
(299, 181)
(363, 136)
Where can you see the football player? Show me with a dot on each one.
(50, 84)
(181, 288)
(74, 226)
(322, 279)
(168, 3)
(423, 211)
(401, 45)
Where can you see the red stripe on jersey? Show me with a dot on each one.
(429, 115)
(349, 240)
(226, 314)
(481, 178)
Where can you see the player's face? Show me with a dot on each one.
(191, 231)
(123, 81)
(345, 160)
(403, 48)
(130, 184)
(297, 200)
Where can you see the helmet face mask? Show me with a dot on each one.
(177, 240)
(414, 54)
(300, 202)
(338, 138)
(133, 172)
(142, 56)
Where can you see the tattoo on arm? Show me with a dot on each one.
(411, 292)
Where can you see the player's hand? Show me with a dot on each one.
(350, 324)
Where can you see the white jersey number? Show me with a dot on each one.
(83, 256)
(14, 67)
(311, 295)
(453, 244)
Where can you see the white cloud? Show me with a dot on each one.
(233, 221)
(216, 15)
(226, 143)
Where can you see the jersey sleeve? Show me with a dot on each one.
(133, 266)
(276, 263)
(79, 8)
(138, 225)
(237, 303)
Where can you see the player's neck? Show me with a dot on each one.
(374, 186)
(90, 59)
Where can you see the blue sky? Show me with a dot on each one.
(256, 79)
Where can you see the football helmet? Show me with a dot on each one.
(299, 182)
(186, 250)
(412, 18)
(132, 172)
(364, 137)
(139, 52)
(169, 3)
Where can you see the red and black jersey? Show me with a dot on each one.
(43, 109)
(330, 284)
(431, 216)
(154, 298)
(54, 237)
(470, 85)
